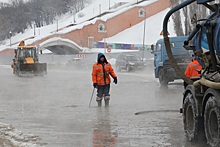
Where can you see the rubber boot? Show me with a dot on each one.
(107, 98)
(99, 101)
(106, 102)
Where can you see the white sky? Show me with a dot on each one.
(4, 0)
(131, 35)
(7, 1)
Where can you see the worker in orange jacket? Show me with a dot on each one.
(101, 78)
(193, 69)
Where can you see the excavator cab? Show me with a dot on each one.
(26, 61)
(27, 54)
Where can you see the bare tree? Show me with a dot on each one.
(188, 12)
(18, 15)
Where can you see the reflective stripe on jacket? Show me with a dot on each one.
(100, 76)
(192, 69)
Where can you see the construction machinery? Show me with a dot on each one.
(26, 61)
(201, 98)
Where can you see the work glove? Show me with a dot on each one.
(115, 80)
(95, 85)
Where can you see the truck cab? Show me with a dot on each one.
(162, 67)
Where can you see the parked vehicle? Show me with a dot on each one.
(74, 62)
(129, 62)
(162, 67)
(79, 63)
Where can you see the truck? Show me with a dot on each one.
(201, 98)
(162, 67)
(26, 62)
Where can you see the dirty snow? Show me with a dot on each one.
(13, 137)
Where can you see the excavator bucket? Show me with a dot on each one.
(36, 69)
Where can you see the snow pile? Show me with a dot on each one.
(12, 137)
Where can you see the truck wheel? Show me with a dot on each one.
(192, 124)
(118, 68)
(212, 121)
(162, 78)
(128, 68)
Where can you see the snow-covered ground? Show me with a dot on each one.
(134, 35)
(131, 35)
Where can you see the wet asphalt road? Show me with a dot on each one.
(56, 109)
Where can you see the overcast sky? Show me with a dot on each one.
(4, 0)
(7, 0)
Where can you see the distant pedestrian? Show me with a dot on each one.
(101, 79)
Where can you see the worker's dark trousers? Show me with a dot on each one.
(185, 84)
(103, 90)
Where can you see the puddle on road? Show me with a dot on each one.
(71, 106)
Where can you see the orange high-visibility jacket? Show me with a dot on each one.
(101, 78)
(192, 69)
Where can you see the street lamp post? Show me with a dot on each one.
(144, 38)
(74, 21)
(105, 43)
(109, 4)
(144, 35)
(34, 29)
(10, 37)
(57, 25)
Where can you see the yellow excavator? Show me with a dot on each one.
(26, 61)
